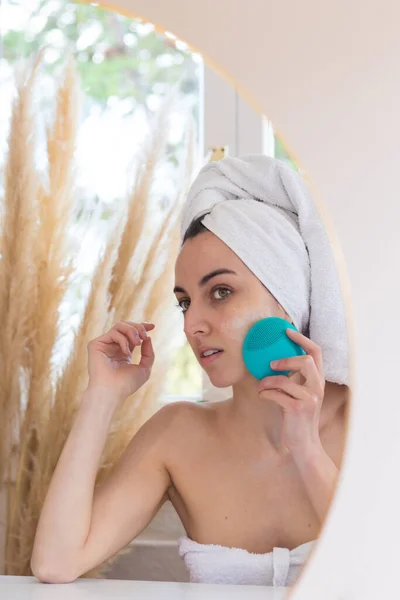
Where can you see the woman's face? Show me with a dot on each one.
(219, 309)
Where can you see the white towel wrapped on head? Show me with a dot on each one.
(261, 208)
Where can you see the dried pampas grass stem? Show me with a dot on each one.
(132, 281)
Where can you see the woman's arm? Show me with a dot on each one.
(66, 514)
(80, 526)
(301, 396)
(319, 475)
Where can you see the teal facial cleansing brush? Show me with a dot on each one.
(267, 341)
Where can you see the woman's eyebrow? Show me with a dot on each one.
(206, 279)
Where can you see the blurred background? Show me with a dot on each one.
(126, 69)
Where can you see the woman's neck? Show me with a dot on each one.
(262, 418)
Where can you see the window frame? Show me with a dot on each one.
(229, 122)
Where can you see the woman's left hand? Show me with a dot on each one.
(300, 394)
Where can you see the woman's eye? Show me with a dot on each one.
(181, 304)
(224, 292)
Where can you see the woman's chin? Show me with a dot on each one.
(226, 374)
(223, 380)
(221, 385)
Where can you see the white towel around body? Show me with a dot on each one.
(211, 563)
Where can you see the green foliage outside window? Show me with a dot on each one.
(125, 68)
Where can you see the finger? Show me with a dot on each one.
(130, 331)
(109, 339)
(140, 328)
(121, 340)
(304, 365)
(295, 390)
(147, 326)
(142, 331)
(309, 347)
(147, 355)
(288, 403)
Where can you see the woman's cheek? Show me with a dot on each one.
(239, 322)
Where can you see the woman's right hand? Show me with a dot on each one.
(110, 364)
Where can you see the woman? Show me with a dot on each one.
(251, 478)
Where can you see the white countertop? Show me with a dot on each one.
(28, 588)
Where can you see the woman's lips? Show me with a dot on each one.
(207, 360)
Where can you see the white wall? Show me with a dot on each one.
(328, 77)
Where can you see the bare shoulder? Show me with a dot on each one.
(185, 414)
(185, 424)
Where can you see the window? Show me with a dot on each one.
(229, 123)
(126, 69)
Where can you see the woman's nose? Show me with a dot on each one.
(196, 321)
